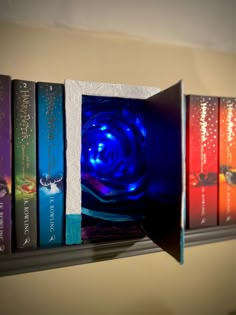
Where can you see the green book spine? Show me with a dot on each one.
(25, 191)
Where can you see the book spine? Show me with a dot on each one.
(5, 165)
(50, 98)
(202, 161)
(227, 161)
(25, 163)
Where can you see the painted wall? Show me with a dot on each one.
(148, 284)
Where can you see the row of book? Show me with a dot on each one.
(80, 149)
(211, 161)
(31, 149)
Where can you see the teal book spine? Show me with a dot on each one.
(51, 203)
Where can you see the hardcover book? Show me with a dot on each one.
(25, 201)
(5, 165)
(50, 109)
(202, 161)
(227, 161)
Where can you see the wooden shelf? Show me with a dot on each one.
(44, 259)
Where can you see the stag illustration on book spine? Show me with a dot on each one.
(51, 185)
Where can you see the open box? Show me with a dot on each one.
(125, 163)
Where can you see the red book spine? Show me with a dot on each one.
(202, 161)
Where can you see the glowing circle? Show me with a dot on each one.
(112, 159)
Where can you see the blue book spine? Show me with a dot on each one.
(51, 203)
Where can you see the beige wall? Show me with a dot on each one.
(148, 284)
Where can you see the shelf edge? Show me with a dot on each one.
(45, 259)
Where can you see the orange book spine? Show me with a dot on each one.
(227, 161)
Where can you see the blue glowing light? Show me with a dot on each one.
(132, 187)
(92, 161)
(100, 147)
(109, 136)
(104, 127)
(112, 158)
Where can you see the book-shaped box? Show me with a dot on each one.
(125, 163)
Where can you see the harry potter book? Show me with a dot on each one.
(202, 161)
(25, 203)
(227, 161)
(5, 165)
(50, 109)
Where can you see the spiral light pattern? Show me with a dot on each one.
(112, 159)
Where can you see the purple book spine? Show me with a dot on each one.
(5, 165)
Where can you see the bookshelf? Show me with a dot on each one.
(45, 259)
(65, 256)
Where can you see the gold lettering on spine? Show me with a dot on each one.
(51, 116)
(1, 222)
(26, 217)
(203, 135)
(24, 114)
(52, 215)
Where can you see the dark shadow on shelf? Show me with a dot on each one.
(65, 256)
(112, 240)
(113, 249)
